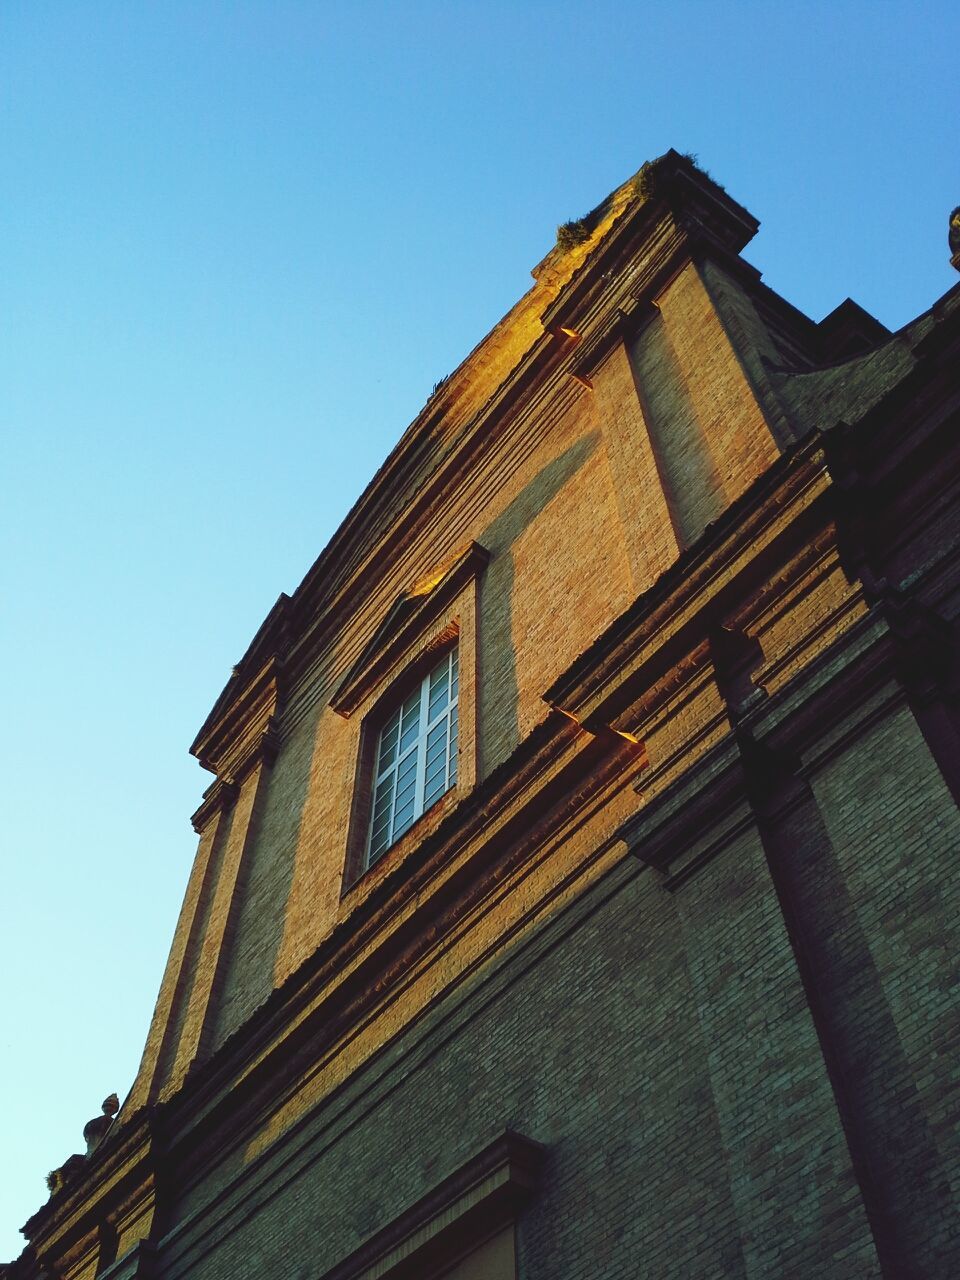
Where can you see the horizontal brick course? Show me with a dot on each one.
(690, 919)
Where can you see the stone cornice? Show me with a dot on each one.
(687, 601)
(219, 795)
(241, 730)
(436, 454)
(444, 436)
(526, 390)
(491, 835)
(407, 620)
(895, 651)
(307, 623)
(124, 1166)
(695, 818)
(270, 642)
(513, 812)
(898, 644)
(685, 213)
(485, 1192)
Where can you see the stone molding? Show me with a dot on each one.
(483, 1195)
(117, 1190)
(231, 740)
(490, 836)
(859, 678)
(691, 211)
(408, 618)
(138, 1263)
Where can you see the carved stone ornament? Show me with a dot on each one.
(95, 1130)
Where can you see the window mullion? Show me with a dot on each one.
(378, 778)
(393, 802)
(453, 701)
(421, 747)
(446, 752)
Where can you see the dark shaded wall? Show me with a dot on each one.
(663, 1044)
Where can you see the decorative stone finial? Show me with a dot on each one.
(95, 1130)
(955, 238)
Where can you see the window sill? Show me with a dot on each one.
(425, 825)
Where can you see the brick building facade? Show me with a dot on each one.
(576, 895)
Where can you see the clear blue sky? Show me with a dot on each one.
(239, 242)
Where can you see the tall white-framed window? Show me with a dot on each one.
(416, 756)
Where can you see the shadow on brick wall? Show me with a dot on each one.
(498, 694)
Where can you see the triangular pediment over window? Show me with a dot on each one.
(411, 614)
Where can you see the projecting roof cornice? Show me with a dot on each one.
(654, 218)
(679, 210)
(239, 728)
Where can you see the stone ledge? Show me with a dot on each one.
(483, 1195)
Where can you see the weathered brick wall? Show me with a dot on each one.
(582, 499)
(264, 892)
(709, 431)
(791, 1181)
(890, 913)
(671, 1048)
(659, 1044)
(743, 1066)
(557, 576)
(647, 515)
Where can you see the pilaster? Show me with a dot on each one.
(691, 427)
(215, 946)
(176, 974)
(648, 524)
(809, 856)
(238, 743)
(772, 1094)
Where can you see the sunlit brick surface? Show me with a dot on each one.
(688, 916)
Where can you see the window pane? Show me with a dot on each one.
(409, 736)
(383, 792)
(381, 823)
(434, 790)
(380, 835)
(378, 850)
(416, 756)
(407, 773)
(388, 742)
(435, 780)
(411, 709)
(382, 810)
(438, 704)
(438, 691)
(437, 745)
(437, 734)
(379, 840)
(439, 676)
(383, 797)
(406, 795)
(403, 820)
(437, 767)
